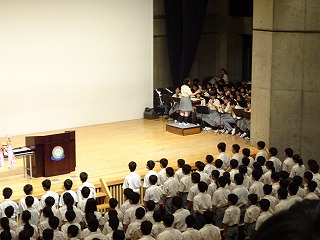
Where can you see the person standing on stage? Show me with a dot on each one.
(185, 102)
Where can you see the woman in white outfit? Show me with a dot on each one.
(185, 103)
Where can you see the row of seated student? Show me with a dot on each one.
(273, 185)
(221, 99)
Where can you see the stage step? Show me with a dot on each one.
(183, 129)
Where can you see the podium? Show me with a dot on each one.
(53, 154)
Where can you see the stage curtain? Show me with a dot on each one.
(184, 21)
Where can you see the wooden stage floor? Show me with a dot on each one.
(105, 151)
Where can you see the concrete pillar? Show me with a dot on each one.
(285, 75)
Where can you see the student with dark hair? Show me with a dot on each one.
(233, 168)
(28, 189)
(170, 189)
(185, 184)
(246, 153)
(85, 192)
(5, 226)
(262, 161)
(190, 233)
(146, 227)
(220, 200)
(158, 226)
(293, 190)
(209, 167)
(209, 231)
(193, 191)
(112, 224)
(26, 227)
(126, 204)
(169, 232)
(153, 192)
(251, 215)
(231, 218)
(262, 152)
(265, 213)
(273, 157)
(91, 211)
(185, 106)
(133, 231)
(243, 170)
(267, 189)
(46, 185)
(201, 203)
(72, 232)
(242, 193)
(283, 200)
(93, 230)
(223, 155)
(299, 181)
(310, 194)
(133, 180)
(266, 178)
(235, 150)
(179, 214)
(54, 225)
(179, 174)
(256, 186)
(48, 234)
(129, 215)
(314, 168)
(162, 175)
(69, 205)
(67, 185)
(246, 162)
(84, 177)
(288, 162)
(45, 215)
(200, 169)
(7, 193)
(275, 176)
(298, 168)
(5, 235)
(218, 164)
(150, 166)
(215, 174)
(29, 201)
(118, 235)
(70, 217)
(150, 208)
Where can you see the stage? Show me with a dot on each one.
(105, 151)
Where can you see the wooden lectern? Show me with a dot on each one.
(53, 154)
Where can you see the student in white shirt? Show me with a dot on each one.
(73, 232)
(272, 157)
(311, 187)
(246, 153)
(233, 167)
(193, 191)
(169, 232)
(126, 204)
(243, 170)
(223, 156)
(256, 186)
(219, 164)
(213, 185)
(170, 189)
(7, 193)
(209, 166)
(275, 176)
(235, 150)
(251, 215)
(246, 162)
(265, 214)
(150, 208)
(231, 218)
(146, 227)
(185, 106)
(242, 193)
(262, 152)
(67, 184)
(158, 226)
(185, 184)
(29, 200)
(129, 214)
(288, 162)
(84, 177)
(267, 189)
(200, 169)
(153, 192)
(266, 177)
(190, 233)
(262, 161)
(133, 180)
(150, 166)
(46, 185)
(293, 190)
(133, 231)
(201, 203)
(179, 214)
(209, 231)
(283, 200)
(298, 168)
(28, 190)
(299, 181)
(179, 174)
(118, 234)
(162, 175)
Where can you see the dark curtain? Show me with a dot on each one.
(184, 21)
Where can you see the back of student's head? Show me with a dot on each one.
(181, 162)
(186, 169)
(200, 165)
(312, 185)
(293, 188)
(311, 162)
(73, 230)
(151, 164)
(190, 221)
(308, 176)
(168, 220)
(54, 222)
(270, 166)
(5, 235)
(227, 176)
(284, 183)
(215, 173)
(146, 227)
(207, 217)
(256, 174)
(273, 151)
(297, 180)
(93, 224)
(164, 162)
(236, 147)
(70, 215)
(261, 144)
(113, 223)
(9, 211)
(170, 171)
(253, 198)
(47, 234)
(157, 216)
(282, 193)
(238, 178)
(314, 168)
(288, 152)
(68, 184)
(7, 192)
(26, 233)
(243, 169)
(234, 163)
(49, 201)
(195, 177)
(68, 200)
(140, 213)
(284, 175)
(112, 213)
(275, 176)
(264, 204)
(4, 222)
(246, 152)
(218, 163)
(202, 186)
(233, 198)
(83, 176)
(127, 192)
(135, 198)
(28, 189)
(132, 166)
(297, 159)
(153, 179)
(85, 192)
(46, 184)
(261, 160)
(209, 158)
(91, 206)
(47, 212)
(245, 161)
(29, 200)
(26, 216)
(222, 181)
(118, 235)
(113, 203)
(257, 166)
(222, 146)
(177, 202)
(267, 189)
(150, 205)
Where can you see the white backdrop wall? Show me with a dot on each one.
(70, 63)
